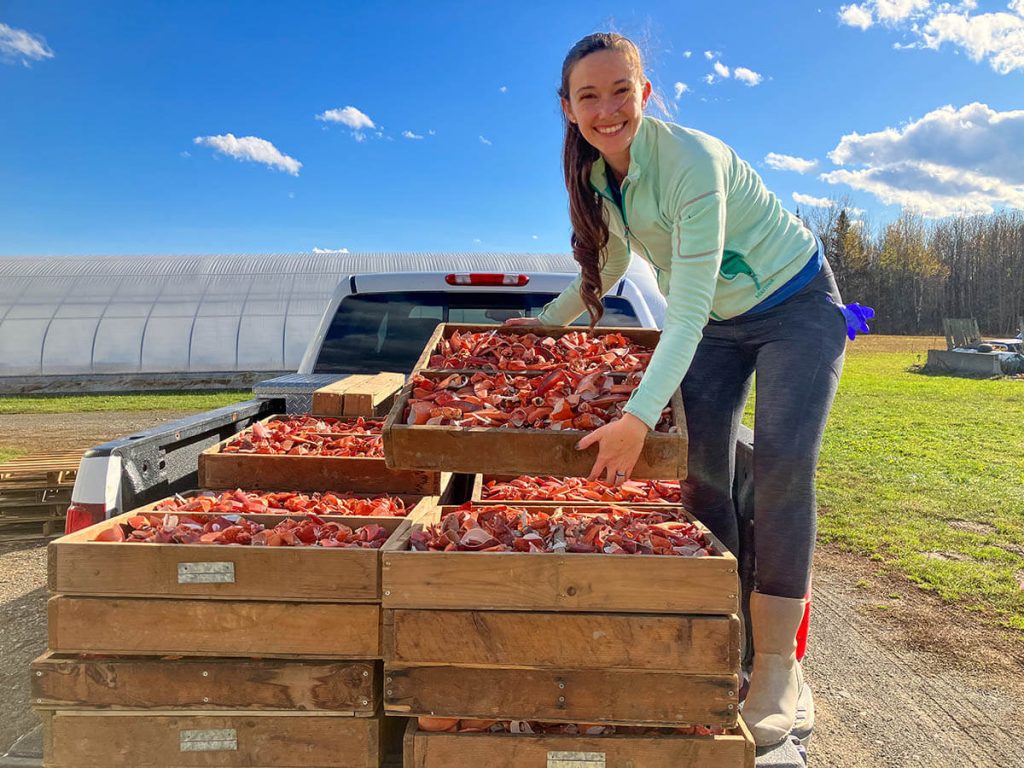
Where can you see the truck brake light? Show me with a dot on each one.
(486, 278)
(83, 515)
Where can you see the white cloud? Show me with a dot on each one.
(709, 79)
(503, 89)
(476, 241)
(251, 148)
(330, 250)
(688, 54)
(997, 37)
(534, 237)
(488, 142)
(411, 135)
(893, 11)
(680, 89)
(350, 116)
(709, 55)
(19, 44)
(748, 76)
(789, 163)
(185, 153)
(856, 16)
(812, 202)
(948, 161)
(721, 69)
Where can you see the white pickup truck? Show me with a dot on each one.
(381, 322)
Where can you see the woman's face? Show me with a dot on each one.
(606, 101)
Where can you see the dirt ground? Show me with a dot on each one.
(899, 678)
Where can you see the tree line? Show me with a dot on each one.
(915, 272)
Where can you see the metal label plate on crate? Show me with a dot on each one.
(576, 760)
(206, 573)
(213, 740)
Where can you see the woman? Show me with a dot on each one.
(748, 291)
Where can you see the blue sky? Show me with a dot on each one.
(896, 102)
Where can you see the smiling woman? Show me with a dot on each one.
(748, 289)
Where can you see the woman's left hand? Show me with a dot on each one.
(619, 447)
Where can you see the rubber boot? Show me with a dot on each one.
(776, 678)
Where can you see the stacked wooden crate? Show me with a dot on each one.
(35, 491)
(194, 654)
(645, 643)
(206, 655)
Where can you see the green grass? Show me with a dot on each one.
(6, 454)
(926, 475)
(154, 401)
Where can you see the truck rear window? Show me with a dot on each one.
(374, 332)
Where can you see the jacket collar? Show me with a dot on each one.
(639, 153)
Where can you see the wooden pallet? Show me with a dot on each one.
(176, 739)
(358, 395)
(57, 467)
(423, 749)
(632, 640)
(218, 469)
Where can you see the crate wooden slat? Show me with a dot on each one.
(647, 336)
(550, 582)
(504, 750)
(218, 469)
(76, 739)
(616, 696)
(80, 566)
(521, 451)
(357, 395)
(655, 642)
(61, 681)
(203, 627)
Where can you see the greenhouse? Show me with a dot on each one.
(63, 316)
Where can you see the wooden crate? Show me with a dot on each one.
(647, 336)
(477, 497)
(312, 473)
(62, 681)
(80, 566)
(549, 582)
(423, 749)
(172, 739)
(358, 395)
(633, 640)
(503, 451)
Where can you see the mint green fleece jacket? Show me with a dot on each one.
(718, 240)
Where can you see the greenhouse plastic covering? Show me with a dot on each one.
(151, 314)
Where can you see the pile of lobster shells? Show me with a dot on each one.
(559, 400)
(235, 529)
(580, 489)
(578, 351)
(610, 530)
(453, 725)
(283, 503)
(311, 436)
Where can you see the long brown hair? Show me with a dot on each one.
(589, 226)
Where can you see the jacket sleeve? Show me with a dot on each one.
(568, 305)
(695, 202)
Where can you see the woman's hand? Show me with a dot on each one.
(531, 321)
(619, 447)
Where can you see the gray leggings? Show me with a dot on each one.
(796, 350)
